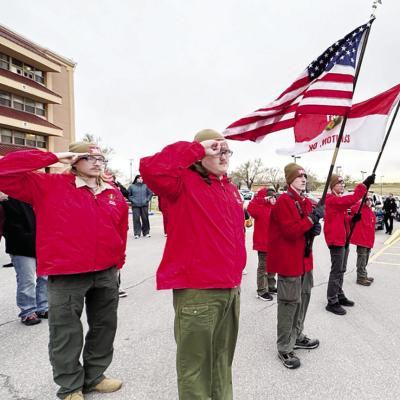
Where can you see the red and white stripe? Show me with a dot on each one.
(330, 94)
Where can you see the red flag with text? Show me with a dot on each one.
(365, 128)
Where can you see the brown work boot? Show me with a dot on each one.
(108, 385)
(75, 396)
(363, 281)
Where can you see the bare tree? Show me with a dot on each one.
(252, 171)
(106, 150)
(349, 181)
(312, 181)
(274, 177)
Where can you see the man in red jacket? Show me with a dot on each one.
(336, 230)
(292, 225)
(81, 229)
(260, 209)
(203, 259)
(364, 237)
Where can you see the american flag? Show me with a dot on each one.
(324, 88)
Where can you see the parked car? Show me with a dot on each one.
(379, 224)
(397, 216)
(246, 194)
(314, 200)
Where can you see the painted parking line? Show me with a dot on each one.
(385, 263)
(389, 244)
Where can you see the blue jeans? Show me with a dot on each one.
(31, 290)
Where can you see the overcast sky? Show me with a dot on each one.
(152, 72)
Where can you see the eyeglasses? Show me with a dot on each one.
(226, 153)
(93, 159)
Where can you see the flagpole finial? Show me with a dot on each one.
(374, 7)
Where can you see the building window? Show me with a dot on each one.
(25, 70)
(22, 103)
(6, 136)
(40, 110)
(5, 99)
(22, 139)
(30, 140)
(4, 61)
(18, 102)
(39, 76)
(19, 138)
(41, 141)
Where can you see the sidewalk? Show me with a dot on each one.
(357, 358)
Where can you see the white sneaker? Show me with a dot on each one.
(244, 272)
(148, 235)
(136, 236)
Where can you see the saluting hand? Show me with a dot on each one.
(212, 147)
(68, 157)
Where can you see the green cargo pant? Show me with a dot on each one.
(66, 296)
(206, 328)
(293, 298)
(265, 281)
(362, 261)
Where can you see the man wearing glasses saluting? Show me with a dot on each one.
(203, 259)
(82, 224)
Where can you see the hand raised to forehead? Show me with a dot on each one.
(212, 147)
(69, 157)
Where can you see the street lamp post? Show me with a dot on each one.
(295, 158)
(382, 176)
(338, 170)
(363, 173)
(130, 169)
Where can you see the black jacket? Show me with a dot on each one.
(19, 228)
(389, 206)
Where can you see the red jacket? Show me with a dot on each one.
(205, 245)
(286, 240)
(76, 231)
(260, 210)
(336, 220)
(364, 230)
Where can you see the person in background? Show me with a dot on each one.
(203, 259)
(293, 223)
(389, 209)
(20, 232)
(121, 187)
(363, 237)
(140, 196)
(3, 197)
(260, 209)
(336, 231)
(81, 231)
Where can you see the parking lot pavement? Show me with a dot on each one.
(357, 358)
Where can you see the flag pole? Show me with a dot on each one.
(339, 139)
(352, 226)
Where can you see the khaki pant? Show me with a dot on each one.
(293, 298)
(265, 281)
(66, 296)
(206, 328)
(362, 261)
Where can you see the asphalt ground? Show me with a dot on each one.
(358, 357)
